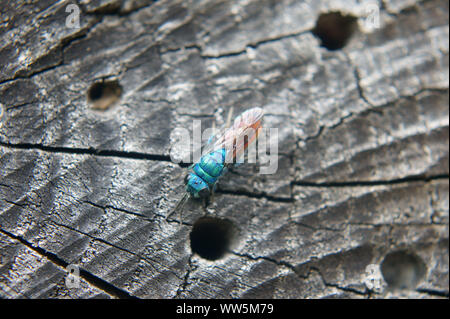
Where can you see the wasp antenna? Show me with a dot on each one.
(213, 131)
(230, 115)
(179, 206)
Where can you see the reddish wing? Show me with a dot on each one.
(238, 137)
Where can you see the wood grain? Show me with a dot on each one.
(363, 148)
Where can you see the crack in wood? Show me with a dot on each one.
(373, 109)
(92, 279)
(61, 46)
(402, 180)
(89, 151)
(255, 45)
(149, 260)
(294, 269)
(255, 195)
(434, 292)
(185, 282)
(34, 191)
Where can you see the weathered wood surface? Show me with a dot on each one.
(363, 141)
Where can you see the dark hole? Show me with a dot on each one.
(95, 91)
(334, 29)
(103, 94)
(402, 270)
(211, 237)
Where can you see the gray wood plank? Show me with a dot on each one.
(363, 162)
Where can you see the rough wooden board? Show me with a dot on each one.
(363, 135)
(26, 273)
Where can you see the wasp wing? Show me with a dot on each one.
(234, 139)
(238, 137)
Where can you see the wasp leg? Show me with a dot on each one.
(230, 114)
(213, 191)
(205, 204)
(179, 207)
(181, 218)
(211, 197)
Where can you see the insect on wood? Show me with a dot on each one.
(223, 149)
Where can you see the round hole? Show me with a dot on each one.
(402, 270)
(334, 29)
(101, 95)
(211, 237)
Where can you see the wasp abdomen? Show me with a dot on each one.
(205, 173)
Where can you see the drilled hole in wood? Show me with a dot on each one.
(211, 237)
(102, 95)
(334, 29)
(403, 269)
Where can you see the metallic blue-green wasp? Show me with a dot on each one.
(222, 150)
